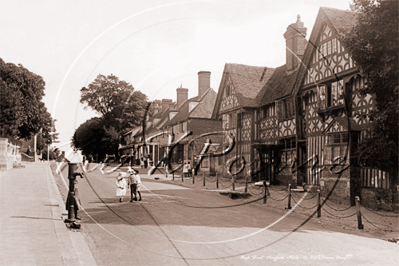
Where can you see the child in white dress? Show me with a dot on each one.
(121, 185)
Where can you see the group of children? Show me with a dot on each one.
(134, 183)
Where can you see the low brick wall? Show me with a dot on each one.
(379, 199)
(337, 189)
(284, 180)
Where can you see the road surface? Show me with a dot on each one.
(175, 225)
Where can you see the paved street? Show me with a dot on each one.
(175, 225)
(32, 231)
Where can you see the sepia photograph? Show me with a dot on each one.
(199, 132)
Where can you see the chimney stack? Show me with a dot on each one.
(182, 95)
(165, 104)
(295, 42)
(204, 82)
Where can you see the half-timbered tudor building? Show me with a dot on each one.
(276, 143)
(330, 112)
(301, 123)
(236, 105)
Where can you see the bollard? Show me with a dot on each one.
(318, 204)
(203, 181)
(359, 215)
(193, 177)
(289, 197)
(182, 177)
(265, 196)
(246, 184)
(234, 186)
(217, 180)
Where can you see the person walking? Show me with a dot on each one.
(141, 162)
(145, 159)
(121, 186)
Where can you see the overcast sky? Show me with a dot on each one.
(157, 46)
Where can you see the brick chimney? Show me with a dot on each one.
(295, 42)
(165, 104)
(182, 95)
(171, 106)
(204, 82)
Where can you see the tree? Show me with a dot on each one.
(373, 43)
(115, 100)
(23, 114)
(88, 137)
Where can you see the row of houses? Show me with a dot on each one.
(296, 124)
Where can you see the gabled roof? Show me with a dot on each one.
(278, 86)
(342, 20)
(248, 81)
(339, 21)
(341, 124)
(203, 109)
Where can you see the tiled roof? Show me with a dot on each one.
(279, 85)
(342, 20)
(205, 106)
(202, 110)
(248, 81)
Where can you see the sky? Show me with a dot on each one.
(155, 45)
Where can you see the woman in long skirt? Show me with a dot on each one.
(121, 186)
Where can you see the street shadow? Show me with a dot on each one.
(35, 218)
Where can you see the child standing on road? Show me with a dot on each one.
(121, 186)
(134, 183)
(138, 179)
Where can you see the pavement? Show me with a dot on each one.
(32, 230)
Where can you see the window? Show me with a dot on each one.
(266, 111)
(331, 95)
(229, 121)
(328, 47)
(285, 109)
(336, 147)
(225, 123)
(288, 151)
(337, 93)
(334, 45)
(228, 90)
(232, 120)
